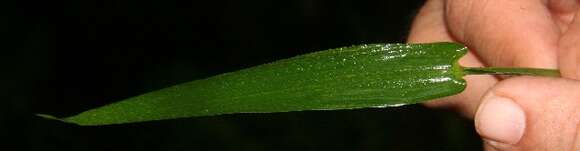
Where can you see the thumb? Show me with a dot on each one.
(530, 113)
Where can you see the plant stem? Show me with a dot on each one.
(511, 71)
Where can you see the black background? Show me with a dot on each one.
(64, 57)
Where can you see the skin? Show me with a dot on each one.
(514, 33)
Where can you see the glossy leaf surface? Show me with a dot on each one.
(363, 76)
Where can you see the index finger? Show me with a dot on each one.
(505, 33)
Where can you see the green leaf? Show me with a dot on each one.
(363, 76)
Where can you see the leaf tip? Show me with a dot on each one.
(46, 116)
(50, 117)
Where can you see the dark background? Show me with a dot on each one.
(64, 57)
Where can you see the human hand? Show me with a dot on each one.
(541, 113)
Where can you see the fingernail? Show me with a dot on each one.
(500, 119)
